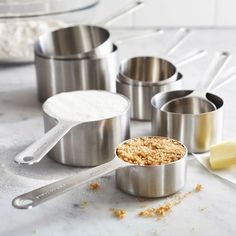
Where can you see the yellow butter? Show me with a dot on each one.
(223, 155)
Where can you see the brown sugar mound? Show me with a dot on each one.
(151, 151)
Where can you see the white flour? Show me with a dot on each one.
(87, 105)
(18, 37)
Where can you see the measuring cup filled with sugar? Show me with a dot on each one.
(82, 128)
(147, 166)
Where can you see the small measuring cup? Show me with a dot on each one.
(196, 102)
(137, 180)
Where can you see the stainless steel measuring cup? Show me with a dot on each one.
(140, 95)
(85, 144)
(75, 42)
(80, 41)
(197, 131)
(140, 181)
(55, 76)
(196, 102)
(139, 79)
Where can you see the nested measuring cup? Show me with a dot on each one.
(140, 181)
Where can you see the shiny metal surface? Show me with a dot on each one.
(197, 131)
(189, 105)
(147, 70)
(141, 77)
(152, 181)
(140, 181)
(55, 76)
(91, 143)
(140, 95)
(98, 138)
(80, 41)
(196, 102)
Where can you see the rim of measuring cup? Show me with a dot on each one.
(159, 95)
(151, 166)
(75, 55)
(132, 81)
(114, 116)
(114, 51)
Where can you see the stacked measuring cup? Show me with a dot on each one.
(142, 77)
(79, 57)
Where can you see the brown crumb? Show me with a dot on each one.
(156, 212)
(94, 186)
(164, 209)
(198, 188)
(151, 151)
(119, 213)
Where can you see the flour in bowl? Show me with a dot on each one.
(86, 105)
(18, 37)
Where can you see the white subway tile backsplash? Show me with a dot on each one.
(168, 13)
(225, 12)
(176, 13)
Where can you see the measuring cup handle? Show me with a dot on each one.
(225, 80)
(217, 65)
(113, 18)
(40, 195)
(176, 41)
(191, 56)
(139, 36)
(36, 151)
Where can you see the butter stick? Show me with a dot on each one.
(223, 155)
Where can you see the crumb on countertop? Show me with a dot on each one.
(94, 186)
(155, 212)
(198, 188)
(164, 209)
(119, 213)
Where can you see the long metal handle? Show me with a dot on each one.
(231, 76)
(40, 195)
(191, 56)
(127, 10)
(139, 36)
(217, 65)
(36, 151)
(176, 41)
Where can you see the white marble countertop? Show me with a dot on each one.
(209, 212)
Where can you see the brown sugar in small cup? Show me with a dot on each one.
(156, 166)
(151, 151)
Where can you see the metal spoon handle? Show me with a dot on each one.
(191, 56)
(40, 195)
(217, 65)
(140, 36)
(113, 18)
(176, 41)
(36, 151)
(225, 80)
